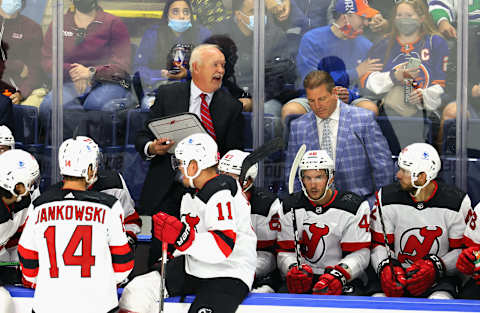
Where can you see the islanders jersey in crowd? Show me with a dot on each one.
(74, 247)
(433, 53)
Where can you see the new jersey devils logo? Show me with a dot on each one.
(192, 221)
(314, 245)
(413, 247)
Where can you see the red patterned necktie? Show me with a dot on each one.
(206, 117)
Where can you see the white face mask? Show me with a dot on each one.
(10, 7)
(251, 18)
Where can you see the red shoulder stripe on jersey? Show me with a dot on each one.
(133, 218)
(455, 243)
(225, 240)
(286, 246)
(469, 242)
(354, 246)
(377, 238)
(122, 258)
(265, 244)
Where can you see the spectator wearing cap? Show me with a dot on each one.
(343, 39)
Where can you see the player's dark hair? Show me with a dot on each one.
(73, 178)
(316, 79)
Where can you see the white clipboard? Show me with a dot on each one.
(176, 127)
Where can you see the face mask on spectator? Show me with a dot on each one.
(407, 26)
(85, 6)
(179, 26)
(251, 18)
(11, 7)
(348, 30)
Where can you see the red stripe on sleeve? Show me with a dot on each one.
(469, 242)
(354, 246)
(286, 246)
(28, 271)
(379, 238)
(133, 218)
(118, 268)
(225, 244)
(28, 284)
(264, 244)
(27, 253)
(120, 249)
(455, 243)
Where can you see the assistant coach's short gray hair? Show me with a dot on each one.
(196, 56)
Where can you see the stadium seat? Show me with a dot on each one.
(26, 124)
(402, 131)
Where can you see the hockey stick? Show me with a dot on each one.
(390, 254)
(291, 182)
(162, 274)
(259, 154)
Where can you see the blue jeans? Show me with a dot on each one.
(96, 99)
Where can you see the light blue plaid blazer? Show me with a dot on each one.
(352, 172)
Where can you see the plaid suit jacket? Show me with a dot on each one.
(352, 171)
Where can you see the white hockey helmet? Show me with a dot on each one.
(18, 166)
(199, 147)
(6, 137)
(420, 158)
(75, 157)
(316, 160)
(232, 162)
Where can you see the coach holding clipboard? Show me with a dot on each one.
(220, 113)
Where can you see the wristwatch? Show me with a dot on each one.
(92, 71)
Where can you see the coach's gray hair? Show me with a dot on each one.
(196, 56)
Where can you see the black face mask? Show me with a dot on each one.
(85, 6)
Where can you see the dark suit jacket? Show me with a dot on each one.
(171, 99)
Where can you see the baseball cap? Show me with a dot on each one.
(359, 7)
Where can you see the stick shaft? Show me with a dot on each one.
(162, 273)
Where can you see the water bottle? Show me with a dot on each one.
(407, 89)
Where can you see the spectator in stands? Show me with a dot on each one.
(97, 51)
(377, 25)
(160, 191)
(209, 12)
(240, 29)
(315, 12)
(415, 58)
(229, 50)
(349, 134)
(342, 39)
(287, 15)
(177, 26)
(20, 65)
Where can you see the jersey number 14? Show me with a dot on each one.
(83, 234)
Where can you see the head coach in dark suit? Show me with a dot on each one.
(203, 96)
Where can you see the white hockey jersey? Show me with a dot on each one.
(266, 224)
(74, 251)
(12, 220)
(472, 230)
(225, 243)
(416, 229)
(337, 232)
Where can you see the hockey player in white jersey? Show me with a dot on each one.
(73, 249)
(112, 183)
(423, 221)
(469, 260)
(7, 142)
(18, 172)
(215, 239)
(333, 227)
(265, 219)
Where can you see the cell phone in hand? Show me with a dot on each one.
(413, 63)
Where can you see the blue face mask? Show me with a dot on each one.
(11, 7)
(179, 26)
(251, 24)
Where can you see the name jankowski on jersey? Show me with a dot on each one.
(79, 213)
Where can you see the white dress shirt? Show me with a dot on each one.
(334, 119)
